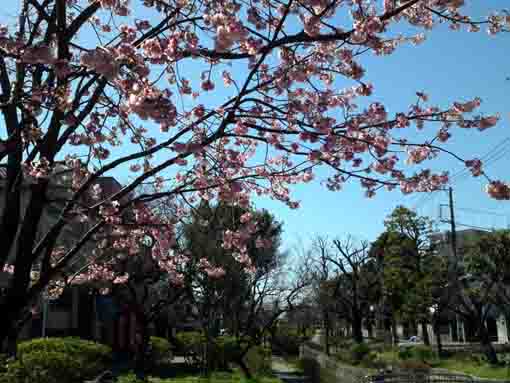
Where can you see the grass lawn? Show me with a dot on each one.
(217, 377)
(470, 367)
(464, 365)
(390, 357)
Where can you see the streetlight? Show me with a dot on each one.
(434, 311)
(371, 309)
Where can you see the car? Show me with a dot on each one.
(412, 341)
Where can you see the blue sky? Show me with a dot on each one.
(449, 66)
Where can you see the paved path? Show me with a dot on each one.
(286, 372)
(316, 338)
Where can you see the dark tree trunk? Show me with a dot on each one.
(326, 335)
(394, 331)
(370, 328)
(142, 346)
(487, 347)
(15, 299)
(244, 368)
(414, 327)
(11, 314)
(357, 327)
(425, 333)
(12, 197)
(438, 338)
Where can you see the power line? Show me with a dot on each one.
(478, 211)
(474, 227)
(494, 155)
(499, 151)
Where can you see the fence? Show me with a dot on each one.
(324, 369)
(418, 377)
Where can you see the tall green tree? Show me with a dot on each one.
(228, 301)
(413, 271)
(483, 280)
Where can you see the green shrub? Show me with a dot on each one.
(311, 368)
(420, 353)
(57, 360)
(359, 351)
(424, 353)
(287, 340)
(405, 353)
(191, 341)
(222, 350)
(4, 360)
(128, 378)
(258, 360)
(160, 349)
(372, 360)
(478, 359)
(86, 350)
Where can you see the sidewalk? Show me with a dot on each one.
(286, 372)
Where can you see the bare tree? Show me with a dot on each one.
(345, 272)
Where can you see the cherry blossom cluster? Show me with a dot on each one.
(213, 272)
(119, 7)
(101, 61)
(38, 169)
(54, 289)
(498, 190)
(8, 269)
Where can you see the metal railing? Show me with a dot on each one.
(417, 377)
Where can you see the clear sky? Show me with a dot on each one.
(449, 66)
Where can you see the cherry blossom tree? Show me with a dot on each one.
(203, 100)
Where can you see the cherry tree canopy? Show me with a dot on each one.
(204, 100)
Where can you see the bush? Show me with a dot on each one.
(90, 352)
(311, 368)
(258, 360)
(4, 359)
(128, 378)
(424, 353)
(223, 349)
(160, 349)
(405, 353)
(287, 340)
(191, 341)
(359, 351)
(420, 353)
(57, 360)
(372, 360)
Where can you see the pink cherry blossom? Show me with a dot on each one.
(488, 122)
(498, 190)
(475, 166)
(101, 61)
(42, 54)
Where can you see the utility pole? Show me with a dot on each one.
(44, 317)
(453, 241)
